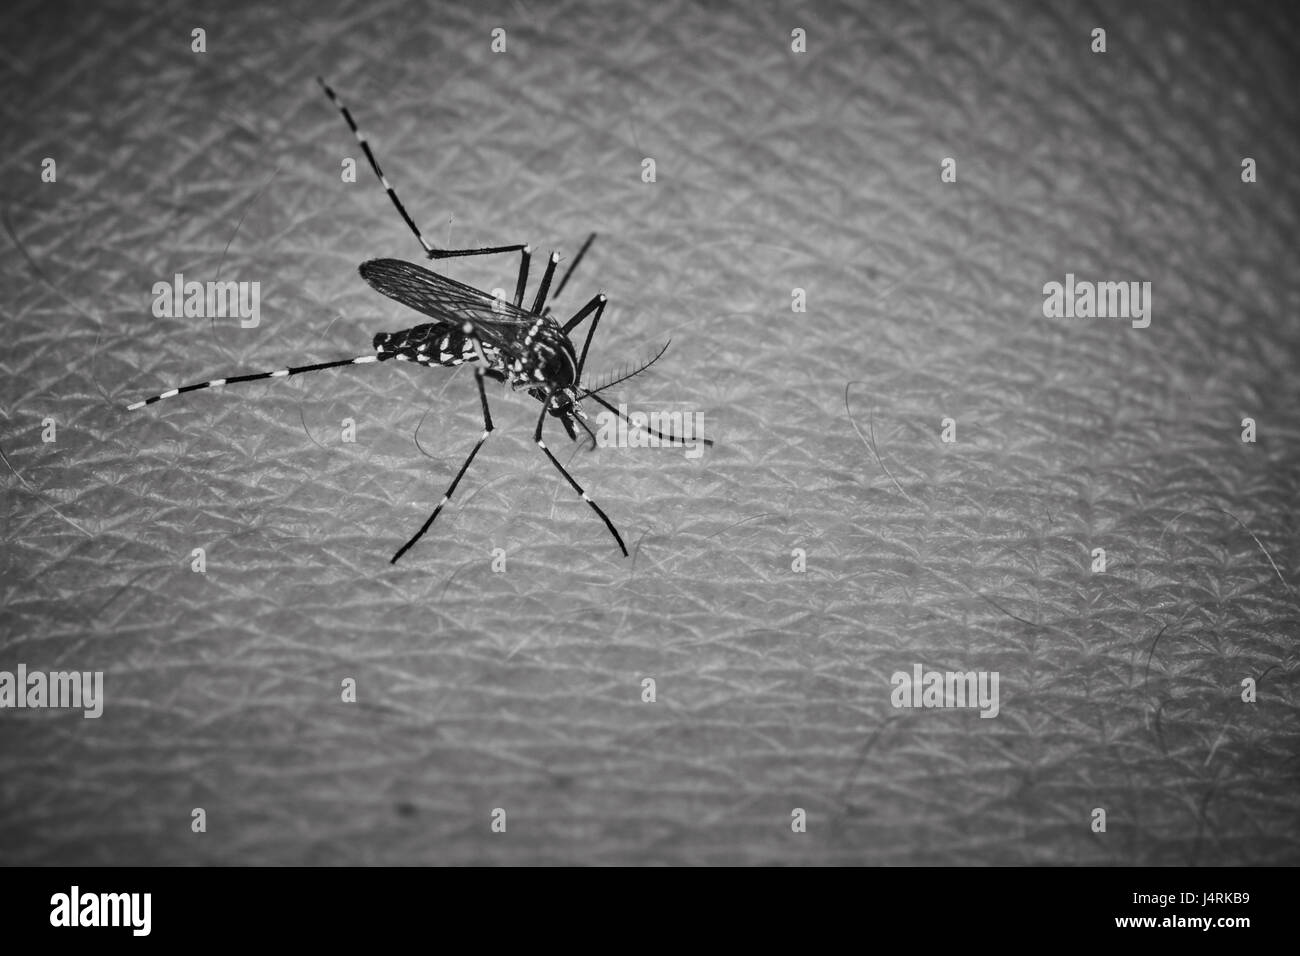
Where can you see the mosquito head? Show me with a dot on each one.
(562, 404)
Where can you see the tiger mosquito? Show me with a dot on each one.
(504, 341)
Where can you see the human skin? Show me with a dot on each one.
(522, 688)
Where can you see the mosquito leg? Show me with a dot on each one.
(597, 305)
(574, 264)
(255, 376)
(374, 164)
(525, 255)
(537, 437)
(545, 287)
(484, 251)
(522, 282)
(670, 439)
(587, 429)
(430, 251)
(487, 430)
(569, 271)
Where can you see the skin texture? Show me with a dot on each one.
(522, 689)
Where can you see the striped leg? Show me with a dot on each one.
(487, 430)
(255, 376)
(429, 250)
(537, 437)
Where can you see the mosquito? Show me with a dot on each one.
(504, 341)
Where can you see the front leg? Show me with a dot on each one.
(537, 437)
(487, 430)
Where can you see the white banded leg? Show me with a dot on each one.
(537, 437)
(255, 376)
(430, 251)
(487, 430)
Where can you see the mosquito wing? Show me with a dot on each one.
(496, 321)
